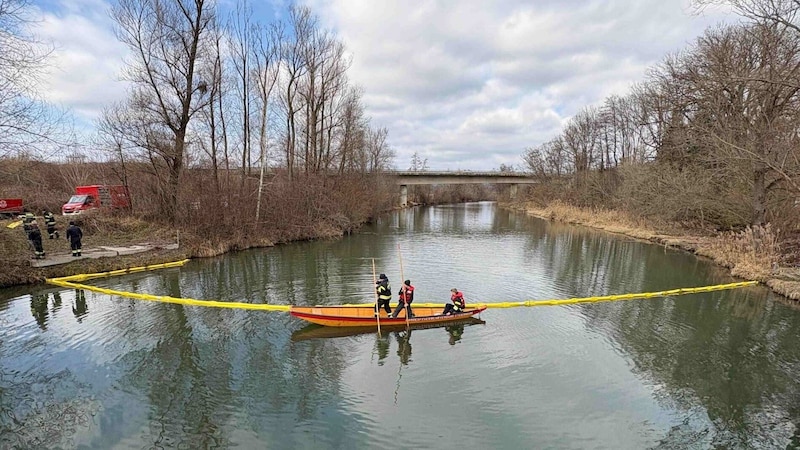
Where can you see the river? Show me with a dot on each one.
(80, 369)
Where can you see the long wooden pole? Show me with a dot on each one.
(403, 283)
(374, 283)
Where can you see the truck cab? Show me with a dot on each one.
(78, 203)
(96, 196)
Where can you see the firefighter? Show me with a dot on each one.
(31, 229)
(455, 304)
(384, 295)
(406, 296)
(74, 236)
(50, 223)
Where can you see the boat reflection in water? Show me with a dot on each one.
(312, 331)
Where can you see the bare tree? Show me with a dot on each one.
(745, 121)
(27, 123)
(581, 139)
(781, 12)
(266, 75)
(301, 23)
(548, 160)
(166, 38)
(241, 44)
(352, 135)
(418, 164)
(379, 151)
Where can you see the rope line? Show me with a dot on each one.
(74, 281)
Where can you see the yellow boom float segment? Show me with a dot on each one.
(74, 282)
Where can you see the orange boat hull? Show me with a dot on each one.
(364, 316)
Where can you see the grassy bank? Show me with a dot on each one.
(751, 254)
(107, 230)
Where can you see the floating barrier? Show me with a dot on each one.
(75, 281)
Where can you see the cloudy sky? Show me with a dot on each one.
(468, 84)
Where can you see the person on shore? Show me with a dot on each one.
(384, 294)
(455, 304)
(34, 235)
(405, 296)
(74, 236)
(50, 223)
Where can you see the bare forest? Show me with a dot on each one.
(232, 127)
(709, 140)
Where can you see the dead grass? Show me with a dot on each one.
(752, 254)
(604, 219)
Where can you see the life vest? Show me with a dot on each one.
(458, 300)
(407, 292)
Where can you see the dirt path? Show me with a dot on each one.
(53, 259)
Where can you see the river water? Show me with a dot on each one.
(712, 370)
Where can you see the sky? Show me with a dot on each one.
(465, 84)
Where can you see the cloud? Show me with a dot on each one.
(472, 84)
(468, 85)
(84, 68)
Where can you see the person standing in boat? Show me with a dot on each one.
(405, 296)
(384, 294)
(455, 304)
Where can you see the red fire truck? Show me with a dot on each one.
(10, 207)
(96, 196)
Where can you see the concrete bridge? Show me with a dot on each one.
(406, 178)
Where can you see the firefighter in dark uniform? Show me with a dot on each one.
(50, 223)
(74, 236)
(31, 228)
(384, 294)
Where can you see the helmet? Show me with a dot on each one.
(407, 282)
(383, 276)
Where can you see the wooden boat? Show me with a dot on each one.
(314, 331)
(364, 316)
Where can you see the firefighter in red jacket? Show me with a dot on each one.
(456, 304)
(406, 296)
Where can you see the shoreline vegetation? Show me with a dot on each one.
(338, 210)
(750, 254)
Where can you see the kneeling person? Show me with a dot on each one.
(455, 304)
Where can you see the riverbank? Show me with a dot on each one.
(114, 243)
(750, 255)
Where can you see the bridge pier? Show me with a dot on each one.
(512, 191)
(403, 195)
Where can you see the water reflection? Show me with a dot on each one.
(79, 307)
(39, 309)
(454, 331)
(320, 332)
(700, 371)
(403, 346)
